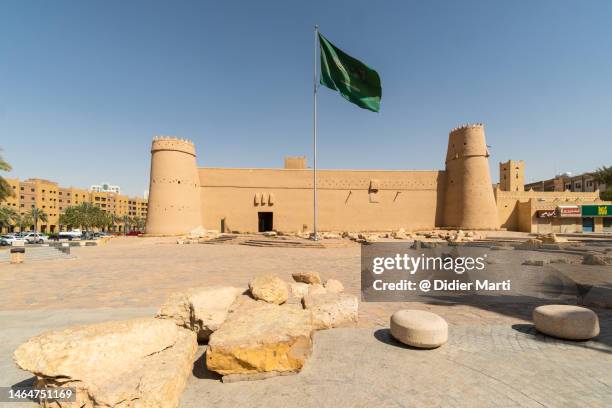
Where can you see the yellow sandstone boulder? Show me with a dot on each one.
(261, 337)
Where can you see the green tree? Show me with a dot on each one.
(86, 216)
(139, 223)
(5, 188)
(114, 220)
(36, 215)
(103, 220)
(7, 216)
(127, 223)
(22, 220)
(603, 175)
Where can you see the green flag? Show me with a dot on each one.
(355, 81)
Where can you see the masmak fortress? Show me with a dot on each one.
(183, 197)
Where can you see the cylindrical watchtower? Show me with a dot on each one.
(174, 188)
(469, 202)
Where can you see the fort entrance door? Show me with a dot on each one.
(265, 221)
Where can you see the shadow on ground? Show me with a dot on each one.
(201, 371)
(384, 336)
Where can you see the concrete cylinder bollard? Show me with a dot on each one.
(17, 255)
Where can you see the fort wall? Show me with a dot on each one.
(349, 200)
(184, 197)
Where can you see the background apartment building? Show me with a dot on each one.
(49, 197)
(105, 188)
(584, 183)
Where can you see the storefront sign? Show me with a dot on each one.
(597, 210)
(568, 211)
(546, 213)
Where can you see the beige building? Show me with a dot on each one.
(523, 208)
(49, 197)
(566, 182)
(183, 196)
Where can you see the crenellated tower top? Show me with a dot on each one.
(173, 144)
(467, 126)
(466, 141)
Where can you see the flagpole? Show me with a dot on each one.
(314, 134)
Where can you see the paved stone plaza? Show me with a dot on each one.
(493, 357)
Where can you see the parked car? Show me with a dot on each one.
(36, 238)
(9, 239)
(134, 233)
(70, 235)
(89, 235)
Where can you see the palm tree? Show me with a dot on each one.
(603, 175)
(36, 214)
(139, 222)
(7, 216)
(127, 224)
(115, 219)
(5, 188)
(84, 215)
(21, 220)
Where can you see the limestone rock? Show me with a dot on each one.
(176, 307)
(551, 238)
(202, 310)
(331, 310)
(269, 288)
(306, 277)
(417, 244)
(598, 296)
(131, 363)
(530, 244)
(261, 337)
(298, 289)
(334, 286)
(210, 307)
(400, 234)
(269, 234)
(419, 328)
(316, 289)
(535, 262)
(566, 321)
(197, 232)
(352, 236)
(596, 259)
(372, 238)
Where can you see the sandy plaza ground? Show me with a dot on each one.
(494, 356)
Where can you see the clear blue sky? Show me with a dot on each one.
(85, 85)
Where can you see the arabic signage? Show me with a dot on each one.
(597, 210)
(568, 211)
(546, 213)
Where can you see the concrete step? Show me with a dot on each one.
(42, 253)
(281, 243)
